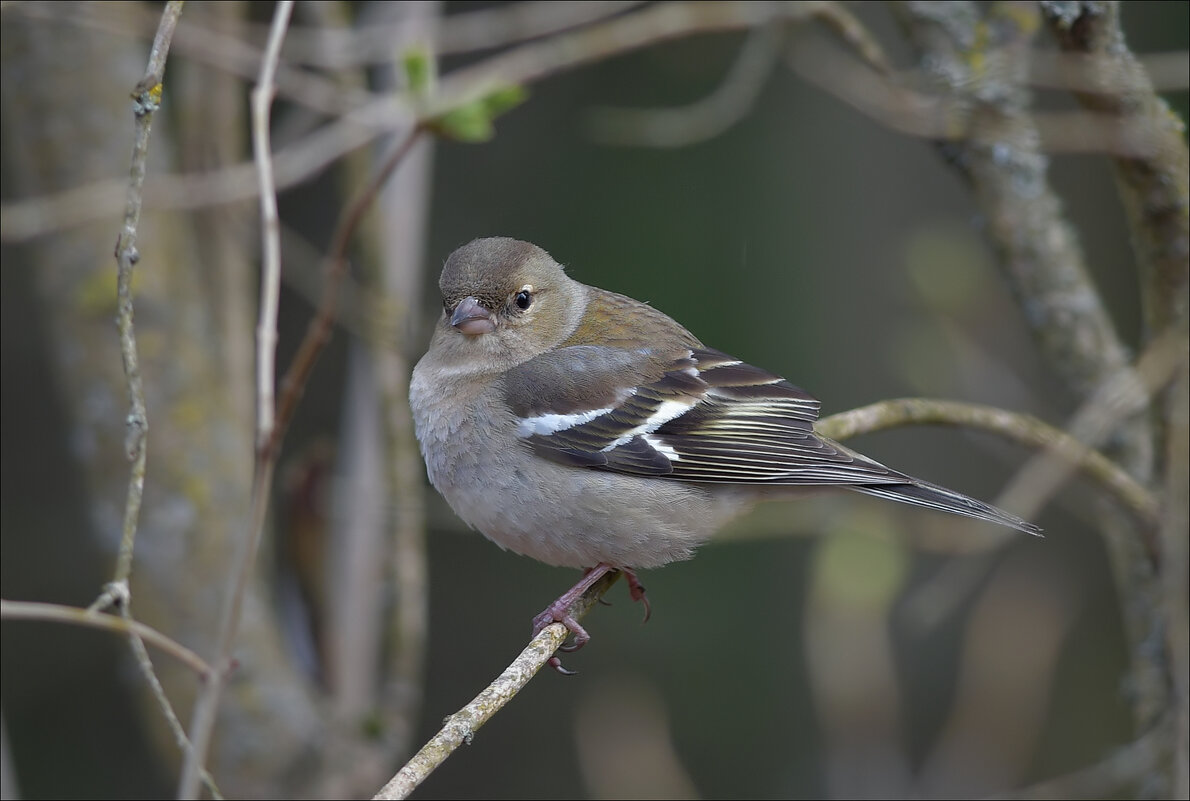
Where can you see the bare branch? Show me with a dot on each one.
(1118, 399)
(57, 613)
(319, 331)
(482, 29)
(206, 705)
(305, 158)
(1021, 428)
(146, 100)
(210, 46)
(1039, 250)
(886, 100)
(461, 727)
(270, 279)
(1154, 186)
(704, 119)
(1092, 425)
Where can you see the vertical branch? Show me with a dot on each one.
(146, 100)
(982, 63)
(270, 278)
(206, 705)
(404, 208)
(1155, 189)
(1175, 577)
(146, 97)
(378, 559)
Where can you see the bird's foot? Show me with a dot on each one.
(559, 610)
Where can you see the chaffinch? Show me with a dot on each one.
(587, 429)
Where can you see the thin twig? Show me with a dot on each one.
(146, 98)
(319, 331)
(158, 691)
(206, 706)
(1116, 400)
(1043, 475)
(886, 100)
(58, 613)
(307, 157)
(481, 29)
(460, 728)
(1154, 188)
(704, 119)
(1018, 427)
(209, 46)
(270, 279)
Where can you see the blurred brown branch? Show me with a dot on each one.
(1021, 428)
(57, 613)
(146, 97)
(206, 706)
(892, 101)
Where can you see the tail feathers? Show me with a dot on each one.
(931, 496)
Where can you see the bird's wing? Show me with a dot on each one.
(691, 415)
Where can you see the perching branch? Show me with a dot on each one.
(461, 727)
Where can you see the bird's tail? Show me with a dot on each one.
(931, 496)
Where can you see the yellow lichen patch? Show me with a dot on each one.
(96, 294)
(1023, 16)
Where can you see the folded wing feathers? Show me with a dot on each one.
(712, 418)
(709, 418)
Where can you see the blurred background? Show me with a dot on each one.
(835, 647)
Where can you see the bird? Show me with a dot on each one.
(583, 428)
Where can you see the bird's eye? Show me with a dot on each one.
(523, 299)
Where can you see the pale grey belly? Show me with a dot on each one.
(578, 517)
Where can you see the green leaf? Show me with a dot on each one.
(418, 66)
(474, 121)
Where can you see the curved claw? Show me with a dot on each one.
(636, 591)
(558, 611)
(556, 664)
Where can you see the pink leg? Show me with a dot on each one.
(557, 612)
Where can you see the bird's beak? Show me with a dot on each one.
(472, 319)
